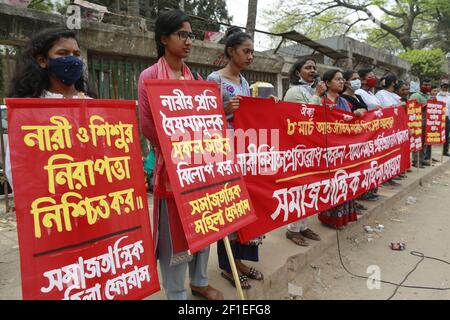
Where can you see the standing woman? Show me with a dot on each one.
(173, 36)
(50, 67)
(353, 83)
(368, 84)
(303, 89)
(358, 107)
(337, 217)
(239, 52)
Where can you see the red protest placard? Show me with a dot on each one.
(210, 194)
(304, 164)
(82, 215)
(435, 123)
(414, 113)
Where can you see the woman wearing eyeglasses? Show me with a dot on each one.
(173, 36)
(337, 217)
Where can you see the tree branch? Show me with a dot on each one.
(391, 13)
(400, 6)
(315, 14)
(364, 9)
(352, 24)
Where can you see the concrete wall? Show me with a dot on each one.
(359, 55)
(346, 44)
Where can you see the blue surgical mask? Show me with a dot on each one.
(355, 84)
(68, 69)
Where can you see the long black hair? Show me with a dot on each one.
(348, 74)
(167, 23)
(293, 76)
(329, 75)
(234, 37)
(30, 80)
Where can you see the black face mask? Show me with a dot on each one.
(68, 69)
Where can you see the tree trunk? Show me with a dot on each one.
(251, 16)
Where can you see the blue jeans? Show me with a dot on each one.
(174, 276)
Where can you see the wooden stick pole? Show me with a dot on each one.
(418, 160)
(431, 156)
(5, 179)
(233, 268)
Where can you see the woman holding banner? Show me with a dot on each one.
(51, 67)
(337, 217)
(239, 52)
(304, 88)
(353, 83)
(173, 36)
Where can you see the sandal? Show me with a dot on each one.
(308, 233)
(254, 274)
(297, 238)
(242, 278)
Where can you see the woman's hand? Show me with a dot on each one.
(274, 98)
(360, 112)
(321, 88)
(232, 105)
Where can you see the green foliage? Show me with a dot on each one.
(382, 40)
(320, 27)
(404, 24)
(215, 10)
(42, 5)
(61, 6)
(426, 63)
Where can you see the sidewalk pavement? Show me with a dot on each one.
(280, 260)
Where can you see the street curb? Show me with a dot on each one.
(278, 280)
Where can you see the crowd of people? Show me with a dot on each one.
(52, 68)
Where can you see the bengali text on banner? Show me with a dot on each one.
(435, 123)
(314, 159)
(209, 191)
(82, 214)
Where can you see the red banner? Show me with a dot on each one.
(300, 164)
(414, 112)
(82, 214)
(210, 194)
(435, 125)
